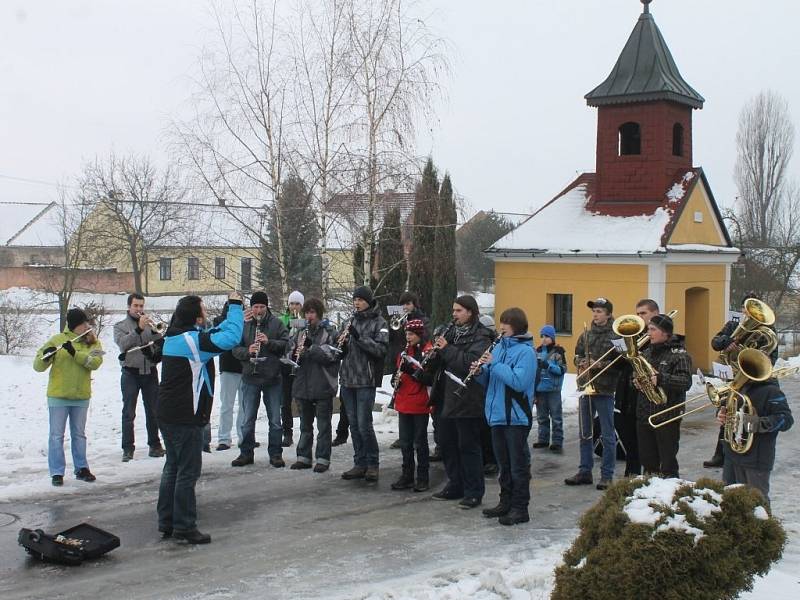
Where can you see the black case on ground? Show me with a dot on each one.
(95, 543)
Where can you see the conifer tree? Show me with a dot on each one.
(444, 280)
(423, 259)
(391, 261)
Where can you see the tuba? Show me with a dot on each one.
(753, 331)
(629, 328)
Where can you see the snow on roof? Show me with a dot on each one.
(14, 216)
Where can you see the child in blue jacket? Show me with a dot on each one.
(552, 364)
(508, 374)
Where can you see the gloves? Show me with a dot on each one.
(48, 350)
(724, 341)
(752, 423)
(540, 364)
(69, 348)
(307, 342)
(407, 367)
(353, 332)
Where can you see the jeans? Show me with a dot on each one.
(131, 383)
(510, 445)
(548, 409)
(358, 403)
(177, 505)
(251, 398)
(414, 436)
(320, 409)
(230, 388)
(658, 448)
(603, 406)
(287, 417)
(460, 441)
(77, 438)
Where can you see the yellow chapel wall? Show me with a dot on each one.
(687, 231)
(700, 321)
(528, 284)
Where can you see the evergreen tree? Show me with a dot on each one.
(391, 260)
(423, 259)
(358, 268)
(474, 269)
(300, 244)
(444, 281)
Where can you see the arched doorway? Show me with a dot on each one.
(698, 336)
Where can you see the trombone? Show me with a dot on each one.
(641, 342)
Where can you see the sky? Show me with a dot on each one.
(79, 78)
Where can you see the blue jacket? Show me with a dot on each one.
(509, 380)
(186, 392)
(552, 365)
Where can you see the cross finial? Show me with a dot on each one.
(646, 6)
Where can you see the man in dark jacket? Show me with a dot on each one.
(588, 350)
(462, 413)
(366, 341)
(314, 384)
(658, 448)
(262, 346)
(139, 373)
(772, 415)
(186, 396)
(230, 384)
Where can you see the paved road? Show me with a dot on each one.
(290, 534)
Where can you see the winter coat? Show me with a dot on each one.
(551, 366)
(70, 376)
(228, 363)
(674, 367)
(775, 415)
(186, 392)
(723, 339)
(509, 380)
(411, 396)
(457, 357)
(599, 341)
(267, 371)
(626, 396)
(316, 377)
(127, 335)
(362, 364)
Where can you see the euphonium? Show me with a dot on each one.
(753, 331)
(629, 327)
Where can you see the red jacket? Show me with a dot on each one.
(412, 395)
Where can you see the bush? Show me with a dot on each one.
(670, 539)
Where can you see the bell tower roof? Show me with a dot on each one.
(645, 71)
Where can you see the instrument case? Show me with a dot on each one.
(93, 542)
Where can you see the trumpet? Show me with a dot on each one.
(156, 325)
(397, 321)
(753, 331)
(641, 342)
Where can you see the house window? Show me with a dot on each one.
(165, 269)
(630, 139)
(562, 313)
(247, 274)
(677, 139)
(219, 267)
(193, 268)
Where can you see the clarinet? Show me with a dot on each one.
(345, 335)
(432, 353)
(254, 356)
(474, 370)
(396, 379)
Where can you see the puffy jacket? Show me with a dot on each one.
(775, 415)
(411, 396)
(362, 364)
(127, 335)
(599, 341)
(674, 367)
(267, 371)
(185, 395)
(70, 376)
(509, 380)
(457, 357)
(551, 366)
(316, 377)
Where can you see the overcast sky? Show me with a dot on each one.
(80, 77)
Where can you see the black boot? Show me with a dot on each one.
(498, 511)
(716, 461)
(192, 537)
(404, 482)
(514, 516)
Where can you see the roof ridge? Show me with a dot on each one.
(31, 221)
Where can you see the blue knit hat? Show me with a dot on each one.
(549, 331)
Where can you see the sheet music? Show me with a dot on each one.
(724, 372)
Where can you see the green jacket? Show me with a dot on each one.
(70, 376)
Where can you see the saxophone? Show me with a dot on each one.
(629, 327)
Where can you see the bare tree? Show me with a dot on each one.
(17, 324)
(138, 208)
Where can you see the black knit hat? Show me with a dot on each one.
(664, 323)
(364, 293)
(259, 298)
(75, 317)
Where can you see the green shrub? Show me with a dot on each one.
(718, 541)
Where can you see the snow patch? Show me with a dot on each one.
(759, 512)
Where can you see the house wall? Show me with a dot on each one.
(42, 278)
(527, 285)
(20, 256)
(207, 282)
(688, 231)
